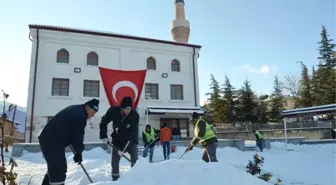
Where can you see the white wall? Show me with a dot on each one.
(113, 53)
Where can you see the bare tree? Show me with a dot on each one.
(292, 84)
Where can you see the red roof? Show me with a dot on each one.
(106, 34)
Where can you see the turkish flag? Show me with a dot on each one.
(120, 83)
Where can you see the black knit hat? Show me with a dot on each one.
(195, 115)
(126, 103)
(94, 104)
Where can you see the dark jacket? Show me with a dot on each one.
(202, 128)
(66, 128)
(157, 134)
(176, 132)
(125, 128)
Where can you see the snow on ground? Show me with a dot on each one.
(305, 165)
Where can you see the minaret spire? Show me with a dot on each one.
(180, 27)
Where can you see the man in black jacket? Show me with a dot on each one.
(125, 130)
(66, 128)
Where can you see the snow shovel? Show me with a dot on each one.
(183, 154)
(150, 143)
(86, 173)
(116, 149)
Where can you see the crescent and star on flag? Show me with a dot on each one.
(117, 80)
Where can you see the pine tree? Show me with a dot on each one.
(305, 88)
(277, 101)
(246, 104)
(207, 117)
(314, 88)
(262, 112)
(326, 73)
(229, 97)
(326, 50)
(215, 102)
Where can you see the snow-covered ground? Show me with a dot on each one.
(305, 165)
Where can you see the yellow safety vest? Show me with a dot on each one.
(259, 135)
(150, 136)
(208, 131)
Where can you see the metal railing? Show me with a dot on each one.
(279, 126)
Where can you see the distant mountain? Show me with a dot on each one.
(23, 109)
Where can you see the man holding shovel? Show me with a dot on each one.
(204, 135)
(66, 128)
(150, 137)
(125, 133)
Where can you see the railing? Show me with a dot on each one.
(294, 125)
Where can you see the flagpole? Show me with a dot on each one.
(147, 115)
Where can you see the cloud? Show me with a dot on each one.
(264, 69)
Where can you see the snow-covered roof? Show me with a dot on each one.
(107, 34)
(177, 110)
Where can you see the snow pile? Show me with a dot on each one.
(306, 165)
(181, 172)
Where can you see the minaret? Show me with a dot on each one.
(180, 27)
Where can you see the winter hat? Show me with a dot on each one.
(94, 104)
(148, 126)
(195, 115)
(126, 103)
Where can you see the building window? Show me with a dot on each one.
(91, 88)
(175, 65)
(62, 56)
(92, 59)
(151, 63)
(60, 87)
(176, 92)
(151, 91)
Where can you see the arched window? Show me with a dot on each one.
(62, 56)
(151, 63)
(92, 59)
(175, 65)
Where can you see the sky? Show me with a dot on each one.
(242, 39)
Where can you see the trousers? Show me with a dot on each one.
(260, 144)
(132, 149)
(151, 153)
(166, 149)
(209, 153)
(56, 164)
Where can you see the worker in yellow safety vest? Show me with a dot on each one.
(259, 139)
(204, 135)
(149, 138)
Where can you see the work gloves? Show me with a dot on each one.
(120, 153)
(78, 158)
(189, 147)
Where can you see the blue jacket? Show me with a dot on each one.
(66, 128)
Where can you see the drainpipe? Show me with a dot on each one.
(34, 87)
(194, 73)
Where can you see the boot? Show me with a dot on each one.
(150, 158)
(115, 177)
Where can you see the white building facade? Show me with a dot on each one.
(64, 71)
